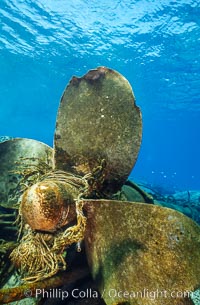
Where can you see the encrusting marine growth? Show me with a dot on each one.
(92, 157)
(47, 213)
(96, 143)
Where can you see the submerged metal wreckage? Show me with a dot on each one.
(73, 192)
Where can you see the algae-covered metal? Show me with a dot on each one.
(129, 245)
(22, 161)
(98, 120)
(97, 139)
(18, 156)
(142, 254)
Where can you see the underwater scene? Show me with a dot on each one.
(99, 152)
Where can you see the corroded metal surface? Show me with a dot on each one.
(135, 247)
(16, 155)
(131, 247)
(97, 120)
(48, 205)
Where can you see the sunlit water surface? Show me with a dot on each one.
(154, 44)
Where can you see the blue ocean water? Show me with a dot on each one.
(154, 44)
